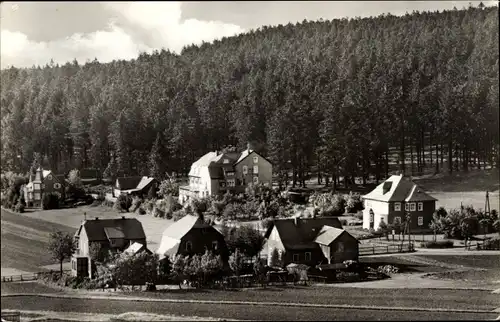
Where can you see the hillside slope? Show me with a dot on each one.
(336, 97)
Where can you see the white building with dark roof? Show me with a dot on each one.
(394, 199)
(218, 172)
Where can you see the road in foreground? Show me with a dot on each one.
(230, 311)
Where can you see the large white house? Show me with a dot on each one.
(394, 199)
(219, 172)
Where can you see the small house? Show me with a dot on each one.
(136, 185)
(310, 241)
(112, 234)
(43, 182)
(189, 236)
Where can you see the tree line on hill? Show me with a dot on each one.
(334, 98)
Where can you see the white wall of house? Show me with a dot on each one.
(83, 243)
(380, 208)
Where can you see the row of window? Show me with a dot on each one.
(296, 257)
(255, 160)
(255, 169)
(411, 206)
(420, 220)
(232, 182)
(189, 245)
(36, 186)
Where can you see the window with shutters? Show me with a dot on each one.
(255, 169)
(412, 206)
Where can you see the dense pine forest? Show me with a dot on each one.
(348, 97)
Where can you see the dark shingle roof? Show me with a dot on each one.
(302, 235)
(129, 228)
(399, 189)
(127, 183)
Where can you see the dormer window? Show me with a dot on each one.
(226, 161)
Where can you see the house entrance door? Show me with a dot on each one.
(372, 218)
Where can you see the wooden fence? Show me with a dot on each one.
(29, 277)
(387, 249)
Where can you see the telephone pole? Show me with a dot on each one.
(487, 208)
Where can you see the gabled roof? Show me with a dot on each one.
(171, 238)
(181, 227)
(396, 188)
(303, 234)
(145, 181)
(136, 248)
(127, 183)
(417, 194)
(135, 183)
(114, 232)
(328, 234)
(100, 229)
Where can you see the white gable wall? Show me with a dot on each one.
(380, 208)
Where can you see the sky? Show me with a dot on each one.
(33, 33)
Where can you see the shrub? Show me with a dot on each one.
(176, 215)
(328, 204)
(50, 201)
(107, 203)
(168, 187)
(354, 203)
(19, 206)
(136, 203)
(437, 244)
(123, 203)
(491, 244)
(359, 215)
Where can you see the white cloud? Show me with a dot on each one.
(160, 20)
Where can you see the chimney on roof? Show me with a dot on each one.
(249, 147)
(123, 217)
(96, 218)
(296, 220)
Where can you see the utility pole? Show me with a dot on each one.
(487, 208)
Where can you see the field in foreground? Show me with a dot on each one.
(328, 295)
(230, 311)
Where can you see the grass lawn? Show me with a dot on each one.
(480, 261)
(25, 236)
(73, 217)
